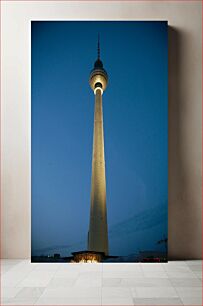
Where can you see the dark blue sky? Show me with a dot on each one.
(135, 125)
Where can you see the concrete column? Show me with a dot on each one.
(98, 232)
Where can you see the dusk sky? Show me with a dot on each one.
(135, 109)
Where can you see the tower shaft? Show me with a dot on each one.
(98, 232)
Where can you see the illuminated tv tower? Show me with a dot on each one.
(98, 229)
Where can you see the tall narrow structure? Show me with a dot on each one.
(98, 230)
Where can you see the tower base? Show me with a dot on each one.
(88, 257)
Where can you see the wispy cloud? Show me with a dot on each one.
(141, 221)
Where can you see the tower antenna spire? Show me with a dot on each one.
(98, 47)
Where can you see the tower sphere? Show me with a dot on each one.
(98, 76)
